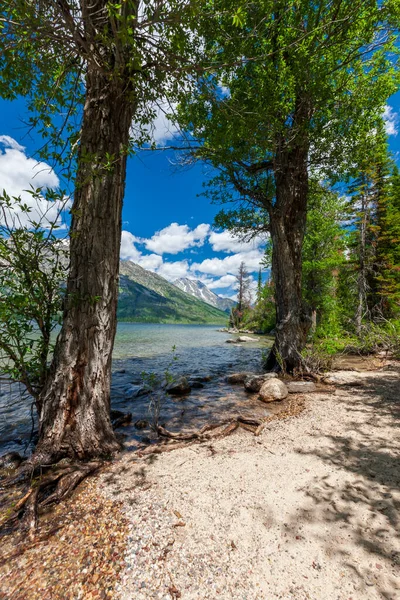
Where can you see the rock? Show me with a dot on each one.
(133, 391)
(246, 338)
(11, 460)
(141, 424)
(301, 387)
(238, 377)
(200, 378)
(273, 389)
(197, 385)
(253, 383)
(235, 341)
(179, 387)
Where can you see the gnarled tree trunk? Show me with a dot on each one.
(75, 403)
(287, 226)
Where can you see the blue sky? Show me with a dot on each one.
(167, 227)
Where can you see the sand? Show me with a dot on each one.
(307, 510)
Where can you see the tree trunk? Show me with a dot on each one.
(75, 416)
(362, 275)
(287, 225)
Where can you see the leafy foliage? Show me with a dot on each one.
(33, 261)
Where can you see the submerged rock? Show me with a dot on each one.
(133, 391)
(238, 377)
(273, 389)
(253, 383)
(301, 387)
(179, 387)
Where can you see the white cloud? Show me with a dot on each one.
(230, 264)
(176, 238)
(225, 241)
(174, 270)
(151, 262)
(162, 129)
(128, 248)
(223, 282)
(19, 173)
(391, 119)
(9, 142)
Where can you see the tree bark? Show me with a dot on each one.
(75, 415)
(287, 226)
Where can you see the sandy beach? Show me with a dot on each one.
(309, 510)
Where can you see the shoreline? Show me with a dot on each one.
(307, 510)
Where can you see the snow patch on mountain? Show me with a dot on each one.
(199, 290)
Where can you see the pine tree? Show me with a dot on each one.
(389, 247)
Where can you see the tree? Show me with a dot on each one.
(323, 255)
(388, 277)
(119, 59)
(308, 79)
(243, 282)
(368, 213)
(33, 265)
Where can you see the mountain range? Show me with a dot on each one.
(145, 297)
(199, 290)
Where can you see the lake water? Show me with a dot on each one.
(201, 352)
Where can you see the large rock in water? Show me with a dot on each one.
(253, 383)
(301, 387)
(273, 389)
(179, 387)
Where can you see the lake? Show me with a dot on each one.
(201, 351)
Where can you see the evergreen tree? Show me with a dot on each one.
(389, 248)
(323, 254)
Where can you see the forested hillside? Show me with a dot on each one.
(145, 297)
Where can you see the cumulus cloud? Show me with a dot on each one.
(174, 269)
(128, 248)
(391, 119)
(176, 238)
(19, 173)
(225, 241)
(230, 264)
(223, 282)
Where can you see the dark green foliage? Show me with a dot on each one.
(323, 255)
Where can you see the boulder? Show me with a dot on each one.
(253, 383)
(273, 389)
(238, 377)
(179, 387)
(235, 341)
(301, 387)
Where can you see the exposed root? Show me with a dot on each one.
(44, 490)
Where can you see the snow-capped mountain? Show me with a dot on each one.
(196, 288)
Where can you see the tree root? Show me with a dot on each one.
(44, 490)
